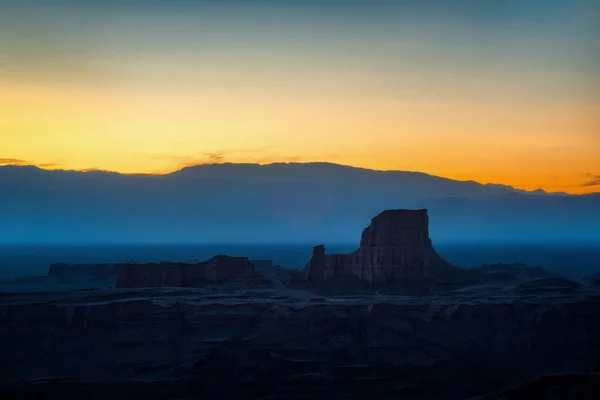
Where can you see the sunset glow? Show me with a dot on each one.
(140, 90)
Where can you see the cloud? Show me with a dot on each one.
(95, 169)
(290, 159)
(216, 157)
(190, 161)
(234, 156)
(592, 180)
(48, 165)
(275, 159)
(12, 161)
(18, 161)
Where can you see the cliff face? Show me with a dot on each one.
(395, 246)
(219, 269)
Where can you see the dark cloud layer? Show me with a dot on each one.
(592, 180)
(12, 161)
(18, 161)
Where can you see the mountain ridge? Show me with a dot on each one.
(329, 165)
(275, 203)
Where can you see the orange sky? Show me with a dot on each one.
(513, 102)
(554, 146)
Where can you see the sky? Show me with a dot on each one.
(493, 91)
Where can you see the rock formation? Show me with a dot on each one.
(580, 386)
(62, 270)
(512, 272)
(107, 271)
(220, 269)
(593, 279)
(395, 246)
(276, 273)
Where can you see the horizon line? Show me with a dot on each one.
(259, 164)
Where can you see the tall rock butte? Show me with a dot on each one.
(395, 246)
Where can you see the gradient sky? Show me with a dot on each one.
(494, 91)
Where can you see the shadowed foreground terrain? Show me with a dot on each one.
(291, 344)
(390, 320)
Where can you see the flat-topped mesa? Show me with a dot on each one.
(395, 246)
(219, 269)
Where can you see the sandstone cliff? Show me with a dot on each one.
(395, 246)
(219, 269)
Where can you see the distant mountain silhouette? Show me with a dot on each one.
(275, 203)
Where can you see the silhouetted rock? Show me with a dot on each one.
(62, 270)
(554, 284)
(262, 264)
(584, 386)
(512, 272)
(276, 273)
(394, 247)
(219, 269)
(593, 279)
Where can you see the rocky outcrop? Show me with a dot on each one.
(220, 269)
(512, 272)
(66, 271)
(262, 264)
(581, 386)
(276, 273)
(394, 247)
(593, 279)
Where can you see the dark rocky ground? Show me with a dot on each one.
(553, 387)
(584, 386)
(280, 343)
